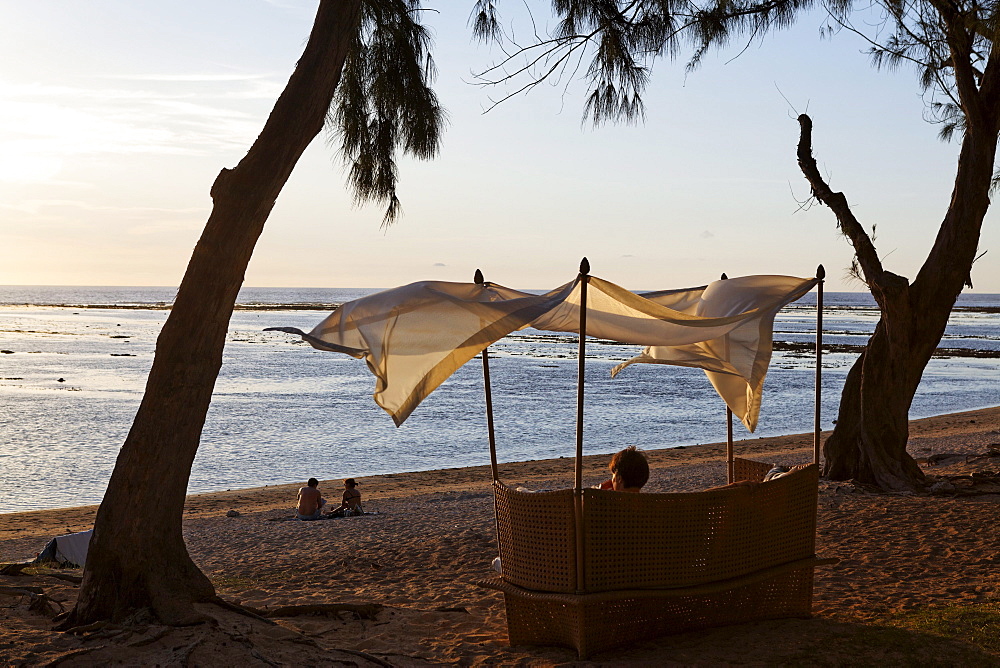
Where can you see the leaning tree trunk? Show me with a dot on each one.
(869, 441)
(137, 555)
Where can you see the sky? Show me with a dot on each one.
(116, 116)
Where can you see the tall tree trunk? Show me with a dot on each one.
(137, 555)
(869, 441)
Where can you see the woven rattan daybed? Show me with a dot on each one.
(653, 564)
(593, 569)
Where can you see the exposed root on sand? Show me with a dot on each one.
(233, 636)
(357, 610)
(230, 635)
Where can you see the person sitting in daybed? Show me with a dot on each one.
(782, 471)
(775, 473)
(351, 503)
(310, 502)
(629, 471)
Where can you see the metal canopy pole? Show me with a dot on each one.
(578, 490)
(489, 396)
(820, 274)
(730, 455)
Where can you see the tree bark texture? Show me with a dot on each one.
(868, 443)
(137, 557)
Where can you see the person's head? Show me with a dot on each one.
(313, 482)
(629, 470)
(350, 483)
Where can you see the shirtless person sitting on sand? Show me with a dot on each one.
(310, 502)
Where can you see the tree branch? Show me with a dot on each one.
(864, 249)
(989, 87)
(960, 43)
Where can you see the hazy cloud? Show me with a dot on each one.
(40, 134)
(187, 78)
(138, 220)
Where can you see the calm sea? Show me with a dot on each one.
(75, 359)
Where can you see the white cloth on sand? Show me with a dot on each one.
(68, 549)
(73, 547)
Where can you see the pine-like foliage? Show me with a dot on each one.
(384, 103)
(947, 41)
(622, 39)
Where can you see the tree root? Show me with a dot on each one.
(142, 642)
(142, 632)
(39, 601)
(260, 657)
(359, 610)
(14, 569)
(252, 613)
(189, 650)
(44, 605)
(366, 655)
(89, 628)
(174, 612)
(975, 484)
(69, 655)
(21, 591)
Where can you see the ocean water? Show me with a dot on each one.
(75, 359)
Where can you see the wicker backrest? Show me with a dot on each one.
(748, 469)
(537, 537)
(637, 541)
(640, 541)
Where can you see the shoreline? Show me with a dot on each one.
(393, 485)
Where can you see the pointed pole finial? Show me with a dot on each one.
(478, 278)
(724, 277)
(820, 272)
(584, 267)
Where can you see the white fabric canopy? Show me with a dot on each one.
(735, 363)
(415, 336)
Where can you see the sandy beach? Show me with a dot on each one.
(410, 570)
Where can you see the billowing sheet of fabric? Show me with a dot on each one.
(735, 363)
(616, 314)
(415, 336)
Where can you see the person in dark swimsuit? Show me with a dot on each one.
(351, 503)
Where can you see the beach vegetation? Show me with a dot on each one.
(951, 47)
(365, 75)
(958, 635)
(977, 625)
